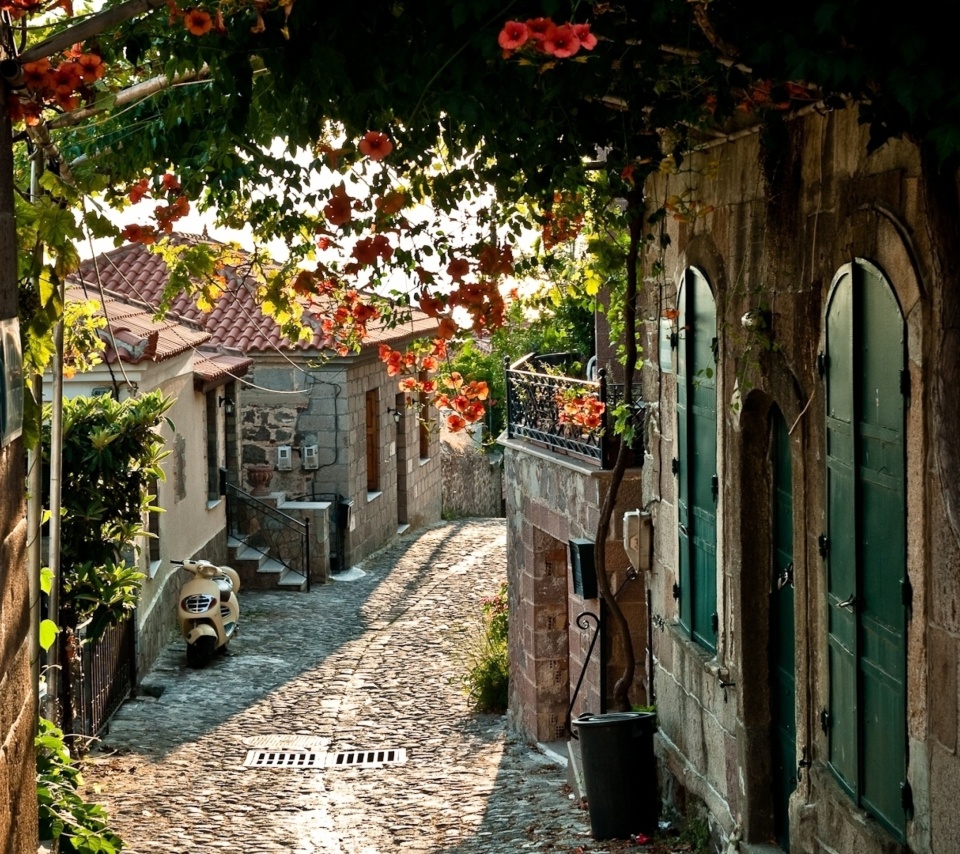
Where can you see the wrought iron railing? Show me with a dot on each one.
(269, 531)
(534, 412)
(105, 676)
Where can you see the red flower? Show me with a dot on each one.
(513, 35)
(458, 268)
(170, 183)
(38, 75)
(67, 77)
(198, 22)
(429, 363)
(91, 67)
(375, 145)
(144, 234)
(561, 42)
(338, 210)
(538, 28)
(138, 191)
(588, 41)
(455, 423)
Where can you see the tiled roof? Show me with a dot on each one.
(212, 369)
(235, 321)
(133, 334)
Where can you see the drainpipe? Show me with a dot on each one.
(35, 485)
(56, 469)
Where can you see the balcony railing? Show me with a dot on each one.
(534, 409)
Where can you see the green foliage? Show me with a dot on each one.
(65, 817)
(111, 453)
(488, 675)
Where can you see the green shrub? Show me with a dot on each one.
(488, 660)
(78, 827)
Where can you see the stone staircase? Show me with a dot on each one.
(259, 571)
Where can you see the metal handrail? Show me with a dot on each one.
(275, 533)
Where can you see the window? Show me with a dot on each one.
(696, 463)
(153, 523)
(373, 441)
(423, 423)
(213, 455)
(865, 543)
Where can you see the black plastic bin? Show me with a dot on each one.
(619, 773)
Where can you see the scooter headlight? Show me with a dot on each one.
(198, 603)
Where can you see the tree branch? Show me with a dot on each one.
(92, 26)
(137, 92)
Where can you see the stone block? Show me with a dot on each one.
(943, 688)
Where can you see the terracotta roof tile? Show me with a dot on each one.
(134, 334)
(211, 369)
(236, 320)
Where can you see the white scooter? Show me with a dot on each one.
(208, 611)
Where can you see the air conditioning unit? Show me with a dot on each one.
(638, 539)
(310, 455)
(284, 458)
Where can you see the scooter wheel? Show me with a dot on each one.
(200, 651)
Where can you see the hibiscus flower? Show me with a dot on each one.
(375, 145)
(513, 35)
(198, 22)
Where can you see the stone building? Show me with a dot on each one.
(332, 428)
(803, 623)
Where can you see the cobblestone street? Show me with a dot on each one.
(369, 663)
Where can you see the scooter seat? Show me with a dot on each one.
(225, 586)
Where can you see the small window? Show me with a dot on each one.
(423, 421)
(153, 523)
(213, 456)
(373, 441)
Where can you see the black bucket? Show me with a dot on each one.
(619, 773)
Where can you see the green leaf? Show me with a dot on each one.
(46, 578)
(48, 633)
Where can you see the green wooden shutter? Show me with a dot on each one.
(697, 444)
(866, 562)
(841, 533)
(883, 550)
(782, 643)
(684, 370)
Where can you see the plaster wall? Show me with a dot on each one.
(777, 235)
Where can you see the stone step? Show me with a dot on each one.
(290, 580)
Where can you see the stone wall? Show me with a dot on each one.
(472, 480)
(775, 244)
(326, 406)
(18, 686)
(550, 500)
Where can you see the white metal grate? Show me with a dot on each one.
(284, 759)
(356, 758)
(320, 759)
